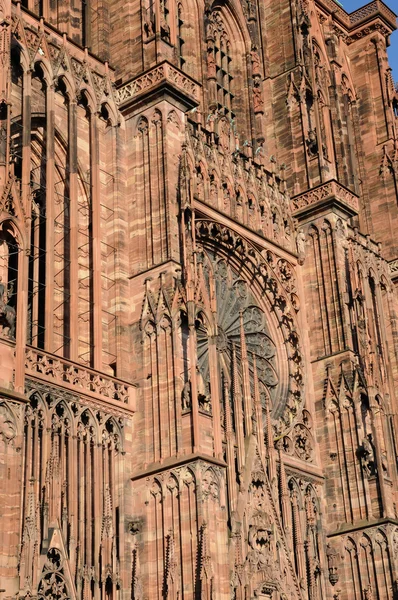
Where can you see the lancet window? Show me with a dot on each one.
(223, 61)
(86, 23)
(9, 256)
(57, 175)
(395, 108)
(221, 66)
(349, 131)
(180, 36)
(376, 316)
(183, 35)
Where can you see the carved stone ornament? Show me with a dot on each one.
(52, 585)
(302, 441)
(7, 424)
(333, 557)
(210, 485)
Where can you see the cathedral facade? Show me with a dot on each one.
(198, 313)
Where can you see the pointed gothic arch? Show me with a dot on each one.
(188, 36)
(227, 65)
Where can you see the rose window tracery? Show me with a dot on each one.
(236, 306)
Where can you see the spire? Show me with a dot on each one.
(206, 567)
(229, 434)
(237, 398)
(30, 538)
(184, 187)
(298, 541)
(171, 568)
(137, 587)
(239, 570)
(107, 521)
(107, 532)
(258, 410)
(269, 439)
(284, 496)
(310, 514)
(247, 399)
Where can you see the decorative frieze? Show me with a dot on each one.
(330, 191)
(163, 73)
(371, 10)
(394, 268)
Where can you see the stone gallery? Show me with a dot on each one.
(198, 314)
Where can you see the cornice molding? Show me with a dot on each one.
(177, 461)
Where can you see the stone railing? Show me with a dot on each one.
(393, 268)
(372, 9)
(77, 378)
(159, 74)
(322, 193)
(337, 11)
(353, 19)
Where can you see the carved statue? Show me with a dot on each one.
(202, 390)
(258, 102)
(367, 456)
(211, 63)
(259, 538)
(7, 312)
(149, 25)
(186, 396)
(300, 242)
(333, 557)
(199, 184)
(164, 26)
(7, 425)
(256, 64)
(368, 593)
(203, 396)
(251, 10)
(312, 143)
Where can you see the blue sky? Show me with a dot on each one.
(351, 5)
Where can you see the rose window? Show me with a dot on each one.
(236, 305)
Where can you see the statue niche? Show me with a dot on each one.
(8, 283)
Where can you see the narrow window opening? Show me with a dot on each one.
(180, 38)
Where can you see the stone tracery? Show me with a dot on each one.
(235, 307)
(278, 289)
